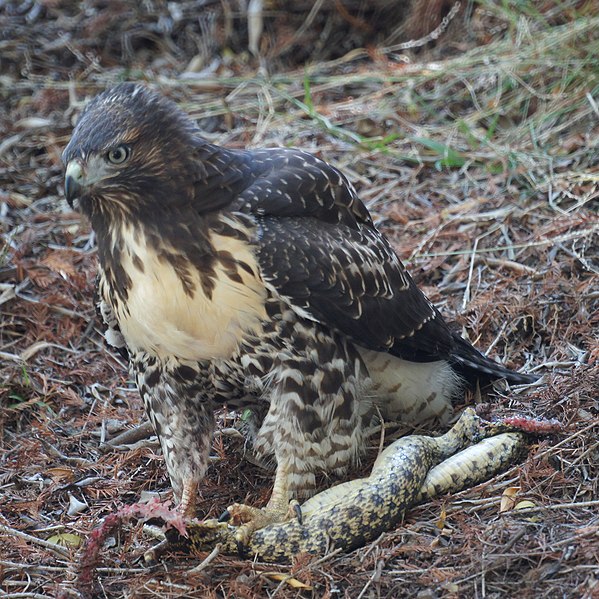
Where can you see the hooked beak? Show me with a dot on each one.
(74, 180)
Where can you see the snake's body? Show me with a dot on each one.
(351, 514)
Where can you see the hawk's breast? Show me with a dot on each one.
(170, 311)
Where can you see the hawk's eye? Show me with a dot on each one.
(119, 154)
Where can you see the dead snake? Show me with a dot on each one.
(348, 515)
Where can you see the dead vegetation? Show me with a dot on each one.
(478, 156)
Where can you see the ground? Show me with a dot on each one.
(477, 152)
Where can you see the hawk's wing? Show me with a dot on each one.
(319, 250)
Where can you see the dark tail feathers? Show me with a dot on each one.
(473, 366)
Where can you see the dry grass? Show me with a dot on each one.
(479, 159)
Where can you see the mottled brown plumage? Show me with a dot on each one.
(253, 278)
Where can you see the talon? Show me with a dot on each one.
(242, 537)
(225, 516)
(242, 550)
(297, 510)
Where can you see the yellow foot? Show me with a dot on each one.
(249, 519)
(187, 505)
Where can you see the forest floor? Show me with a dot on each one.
(478, 156)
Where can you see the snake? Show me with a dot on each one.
(411, 470)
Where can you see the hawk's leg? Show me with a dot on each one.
(182, 419)
(315, 423)
(188, 497)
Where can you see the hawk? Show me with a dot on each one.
(254, 279)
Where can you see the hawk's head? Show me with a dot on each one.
(131, 151)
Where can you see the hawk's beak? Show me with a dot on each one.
(73, 180)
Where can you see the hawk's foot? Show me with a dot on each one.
(249, 519)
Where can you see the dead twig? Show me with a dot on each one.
(52, 547)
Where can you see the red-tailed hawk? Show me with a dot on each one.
(253, 278)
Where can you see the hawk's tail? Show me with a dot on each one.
(473, 366)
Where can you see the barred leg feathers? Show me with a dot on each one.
(182, 418)
(317, 414)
